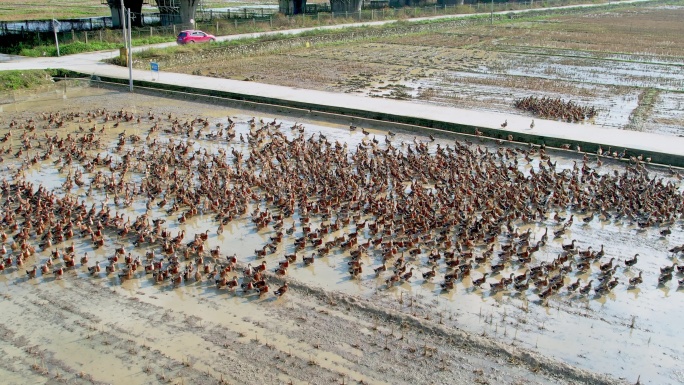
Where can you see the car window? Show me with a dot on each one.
(182, 34)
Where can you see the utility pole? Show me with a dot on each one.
(122, 18)
(55, 28)
(491, 17)
(130, 54)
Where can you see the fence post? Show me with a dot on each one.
(86, 37)
(270, 21)
(318, 18)
(100, 36)
(235, 20)
(254, 22)
(174, 30)
(73, 35)
(150, 31)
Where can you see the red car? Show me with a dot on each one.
(194, 36)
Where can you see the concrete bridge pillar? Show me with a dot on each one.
(345, 5)
(292, 7)
(450, 2)
(170, 12)
(135, 7)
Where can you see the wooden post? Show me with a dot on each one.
(150, 31)
(235, 22)
(270, 21)
(100, 36)
(86, 37)
(73, 35)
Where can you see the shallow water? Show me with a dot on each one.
(591, 332)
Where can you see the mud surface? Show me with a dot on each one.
(329, 327)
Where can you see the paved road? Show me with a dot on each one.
(90, 63)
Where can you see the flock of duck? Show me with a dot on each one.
(556, 108)
(412, 210)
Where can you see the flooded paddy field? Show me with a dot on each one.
(626, 63)
(162, 193)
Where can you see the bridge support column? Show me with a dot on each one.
(292, 7)
(136, 10)
(345, 5)
(450, 2)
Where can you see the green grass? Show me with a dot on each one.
(80, 47)
(17, 80)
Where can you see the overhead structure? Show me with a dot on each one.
(169, 11)
(292, 7)
(345, 5)
(450, 2)
(134, 5)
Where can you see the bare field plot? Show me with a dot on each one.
(606, 60)
(72, 323)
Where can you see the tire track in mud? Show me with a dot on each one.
(123, 355)
(135, 347)
(449, 340)
(309, 334)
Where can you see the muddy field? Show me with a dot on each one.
(330, 327)
(626, 63)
